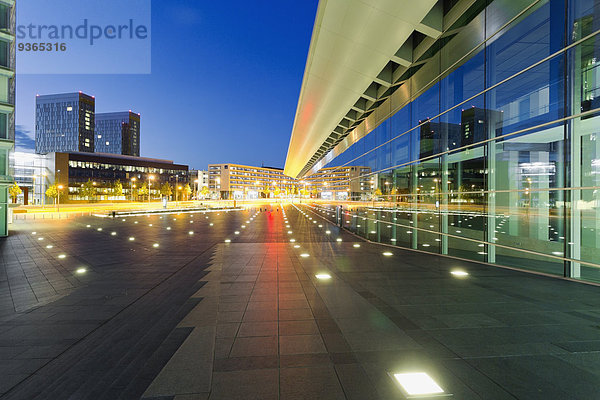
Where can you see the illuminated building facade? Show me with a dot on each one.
(234, 181)
(479, 123)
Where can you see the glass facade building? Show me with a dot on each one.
(64, 123)
(7, 104)
(73, 170)
(118, 133)
(488, 146)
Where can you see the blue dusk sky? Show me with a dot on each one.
(224, 86)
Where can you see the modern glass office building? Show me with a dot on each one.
(73, 170)
(118, 133)
(479, 120)
(64, 123)
(7, 104)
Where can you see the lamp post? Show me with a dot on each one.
(132, 186)
(150, 178)
(59, 187)
(177, 195)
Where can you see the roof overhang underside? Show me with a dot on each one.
(358, 51)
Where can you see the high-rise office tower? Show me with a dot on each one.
(118, 133)
(64, 123)
(7, 105)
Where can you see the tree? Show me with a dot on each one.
(276, 192)
(88, 190)
(187, 190)
(204, 192)
(166, 190)
(14, 191)
(52, 192)
(394, 194)
(377, 193)
(143, 191)
(266, 191)
(117, 189)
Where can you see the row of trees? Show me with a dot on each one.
(89, 190)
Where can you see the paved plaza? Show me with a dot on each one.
(276, 304)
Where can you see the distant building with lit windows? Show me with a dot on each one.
(72, 170)
(234, 181)
(339, 183)
(118, 133)
(64, 123)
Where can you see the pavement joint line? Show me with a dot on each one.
(33, 373)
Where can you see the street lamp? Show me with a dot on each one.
(150, 178)
(132, 186)
(177, 194)
(59, 187)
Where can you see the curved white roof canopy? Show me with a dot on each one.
(352, 43)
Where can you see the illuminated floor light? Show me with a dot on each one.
(304, 255)
(61, 256)
(211, 224)
(292, 240)
(49, 246)
(290, 232)
(168, 228)
(155, 245)
(338, 240)
(356, 246)
(99, 229)
(237, 232)
(81, 270)
(191, 232)
(297, 246)
(323, 277)
(557, 253)
(113, 233)
(388, 254)
(459, 273)
(227, 240)
(41, 238)
(131, 239)
(426, 245)
(123, 220)
(373, 232)
(327, 232)
(417, 384)
(135, 222)
(483, 253)
(243, 226)
(320, 226)
(88, 226)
